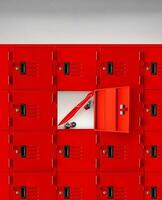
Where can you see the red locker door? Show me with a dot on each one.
(4, 68)
(4, 153)
(118, 66)
(121, 186)
(153, 151)
(32, 68)
(117, 154)
(32, 110)
(76, 150)
(4, 110)
(153, 110)
(4, 187)
(76, 186)
(32, 151)
(32, 186)
(153, 186)
(76, 68)
(152, 67)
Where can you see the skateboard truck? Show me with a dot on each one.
(70, 125)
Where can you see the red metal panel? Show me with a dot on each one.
(76, 68)
(4, 153)
(32, 68)
(4, 110)
(32, 151)
(76, 150)
(32, 186)
(4, 186)
(32, 110)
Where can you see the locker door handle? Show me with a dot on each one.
(23, 192)
(110, 68)
(66, 68)
(110, 151)
(153, 68)
(66, 151)
(154, 192)
(22, 68)
(66, 192)
(154, 151)
(110, 192)
(23, 110)
(23, 151)
(154, 110)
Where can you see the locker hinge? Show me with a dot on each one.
(97, 180)
(97, 55)
(52, 55)
(10, 55)
(141, 55)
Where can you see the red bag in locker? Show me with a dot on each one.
(35, 186)
(32, 68)
(4, 187)
(116, 152)
(4, 68)
(76, 68)
(152, 64)
(118, 66)
(4, 153)
(153, 110)
(76, 186)
(153, 151)
(32, 151)
(76, 150)
(125, 186)
(4, 110)
(32, 110)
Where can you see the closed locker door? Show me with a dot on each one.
(32, 68)
(76, 186)
(152, 64)
(4, 187)
(121, 186)
(76, 68)
(153, 110)
(76, 150)
(4, 110)
(32, 110)
(117, 152)
(118, 65)
(32, 151)
(35, 186)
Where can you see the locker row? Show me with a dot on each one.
(76, 151)
(80, 186)
(37, 110)
(79, 68)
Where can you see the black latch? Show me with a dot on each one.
(23, 109)
(154, 192)
(23, 192)
(154, 68)
(154, 110)
(110, 192)
(66, 68)
(110, 151)
(66, 151)
(23, 68)
(154, 151)
(110, 68)
(66, 192)
(23, 151)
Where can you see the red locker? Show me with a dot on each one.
(153, 151)
(121, 186)
(4, 68)
(76, 186)
(35, 186)
(153, 110)
(116, 152)
(152, 64)
(4, 186)
(4, 110)
(32, 68)
(32, 110)
(153, 186)
(32, 151)
(118, 65)
(76, 150)
(76, 68)
(4, 153)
